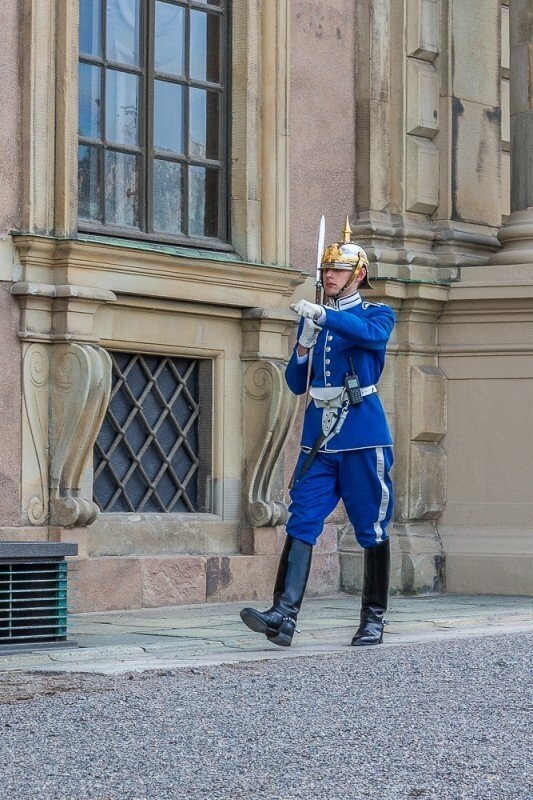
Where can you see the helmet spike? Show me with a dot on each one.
(347, 232)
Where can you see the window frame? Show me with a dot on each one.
(145, 150)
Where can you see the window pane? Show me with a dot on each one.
(90, 27)
(211, 2)
(121, 189)
(89, 101)
(203, 124)
(168, 116)
(203, 201)
(205, 47)
(89, 199)
(122, 31)
(169, 45)
(122, 107)
(168, 194)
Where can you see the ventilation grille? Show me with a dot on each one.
(33, 601)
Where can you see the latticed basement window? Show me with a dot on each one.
(152, 454)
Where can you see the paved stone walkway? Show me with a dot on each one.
(170, 638)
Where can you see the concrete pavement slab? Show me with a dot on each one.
(169, 638)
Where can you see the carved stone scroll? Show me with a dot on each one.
(80, 377)
(35, 394)
(269, 411)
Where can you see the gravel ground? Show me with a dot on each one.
(438, 721)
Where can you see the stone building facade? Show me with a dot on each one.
(164, 167)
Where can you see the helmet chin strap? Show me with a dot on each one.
(350, 280)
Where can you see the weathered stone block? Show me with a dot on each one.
(106, 584)
(327, 541)
(505, 62)
(422, 187)
(351, 565)
(261, 541)
(475, 28)
(77, 535)
(506, 113)
(422, 99)
(475, 573)
(476, 150)
(427, 480)
(325, 575)
(428, 404)
(173, 581)
(234, 578)
(423, 22)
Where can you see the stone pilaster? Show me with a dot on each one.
(517, 235)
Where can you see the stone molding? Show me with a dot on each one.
(124, 267)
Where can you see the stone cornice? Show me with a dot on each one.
(129, 269)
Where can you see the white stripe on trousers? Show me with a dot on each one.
(385, 494)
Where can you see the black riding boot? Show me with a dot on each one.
(375, 595)
(279, 622)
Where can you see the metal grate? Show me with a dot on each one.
(33, 601)
(146, 455)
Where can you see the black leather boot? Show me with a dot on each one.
(279, 622)
(375, 595)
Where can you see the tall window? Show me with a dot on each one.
(153, 109)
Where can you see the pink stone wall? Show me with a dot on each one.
(10, 410)
(10, 121)
(322, 123)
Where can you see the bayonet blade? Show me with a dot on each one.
(320, 248)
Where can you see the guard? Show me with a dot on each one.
(346, 447)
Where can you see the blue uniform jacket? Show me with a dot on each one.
(353, 329)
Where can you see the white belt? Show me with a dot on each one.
(335, 396)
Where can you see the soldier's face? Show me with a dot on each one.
(334, 279)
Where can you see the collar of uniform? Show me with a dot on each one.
(347, 302)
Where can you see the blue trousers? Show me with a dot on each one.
(360, 478)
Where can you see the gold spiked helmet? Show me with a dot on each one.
(346, 255)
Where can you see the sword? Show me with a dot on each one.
(320, 253)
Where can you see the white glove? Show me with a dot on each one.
(309, 334)
(309, 310)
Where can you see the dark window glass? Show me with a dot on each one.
(153, 110)
(123, 22)
(169, 44)
(168, 194)
(205, 46)
(90, 27)
(122, 107)
(89, 182)
(202, 210)
(89, 101)
(168, 116)
(121, 189)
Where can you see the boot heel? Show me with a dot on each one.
(284, 634)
